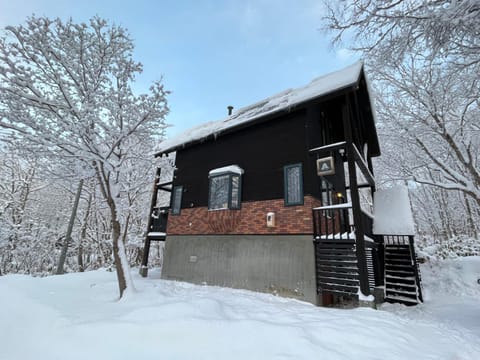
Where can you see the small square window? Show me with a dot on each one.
(177, 199)
(293, 184)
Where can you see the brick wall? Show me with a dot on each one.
(250, 219)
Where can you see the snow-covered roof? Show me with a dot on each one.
(392, 212)
(285, 100)
(226, 169)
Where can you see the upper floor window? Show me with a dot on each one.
(176, 205)
(327, 192)
(293, 184)
(225, 188)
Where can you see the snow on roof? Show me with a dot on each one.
(226, 169)
(320, 86)
(392, 212)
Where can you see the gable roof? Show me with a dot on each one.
(283, 101)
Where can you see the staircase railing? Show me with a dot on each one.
(415, 264)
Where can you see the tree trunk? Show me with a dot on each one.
(63, 254)
(83, 234)
(117, 256)
(471, 228)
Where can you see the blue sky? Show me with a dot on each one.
(211, 53)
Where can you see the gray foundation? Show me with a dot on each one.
(280, 264)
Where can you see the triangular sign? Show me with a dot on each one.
(325, 166)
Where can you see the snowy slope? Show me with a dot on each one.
(76, 316)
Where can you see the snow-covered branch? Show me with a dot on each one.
(66, 92)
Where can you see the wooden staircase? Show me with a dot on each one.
(336, 266)
(402, 277)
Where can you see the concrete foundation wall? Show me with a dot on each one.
(281, 264)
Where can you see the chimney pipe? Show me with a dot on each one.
(230, 109)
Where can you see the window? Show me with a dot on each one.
(225, 188)
(327, 196)
(327, 193)
(293, 184)
(177, 199)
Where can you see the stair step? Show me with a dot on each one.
(397, 251)
(400, 269)
(337, 280)
(397, 247)
(403, 292)
(332, 274)
(405, 278)
(405, 265)
(397, 255)
(337, 286)
(330, 291)
(394, 285)
(402, 299)
(398, 261)
(407, 271)
(352, 289)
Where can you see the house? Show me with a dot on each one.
(277, 197)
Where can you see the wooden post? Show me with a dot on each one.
(356, 209)
(153, 203)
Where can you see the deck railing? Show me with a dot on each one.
(332, 222)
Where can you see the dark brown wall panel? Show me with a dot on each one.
(261, 151)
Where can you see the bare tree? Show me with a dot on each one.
(423, 60)
(435, 109)
(392, 28)
(66, 90)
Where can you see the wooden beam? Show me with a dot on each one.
(360, 186)
(363, 166)
(329, 147)
(356, 209)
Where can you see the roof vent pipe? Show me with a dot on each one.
(230, 109)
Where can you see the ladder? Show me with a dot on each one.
(157, 221)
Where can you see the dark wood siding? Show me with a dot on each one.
(264, 148)
(261, 151)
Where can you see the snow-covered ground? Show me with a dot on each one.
(76, 316)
